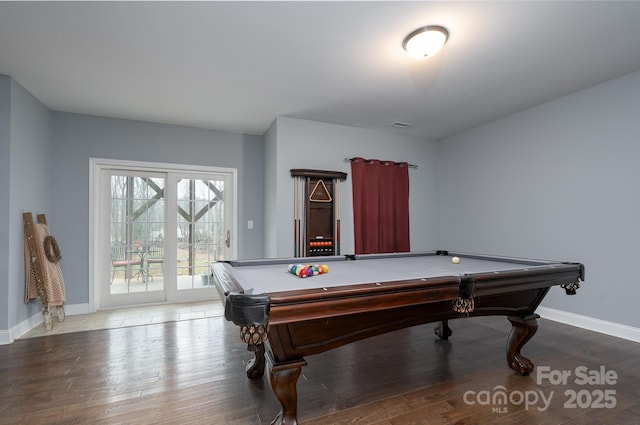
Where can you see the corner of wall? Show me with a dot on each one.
(5, 193)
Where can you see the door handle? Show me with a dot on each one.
(227, 242)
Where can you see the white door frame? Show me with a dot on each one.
(96, 252)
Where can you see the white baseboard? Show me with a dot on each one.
(75, 309)
(10, 335)
(602, 326)
(4, 338)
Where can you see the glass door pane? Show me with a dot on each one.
(136, 237)
(202, 235)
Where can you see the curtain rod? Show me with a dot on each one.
(353, 159)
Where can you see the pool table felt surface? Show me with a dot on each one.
(272, 278)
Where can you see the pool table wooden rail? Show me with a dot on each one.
(314, 320)
(329, 302)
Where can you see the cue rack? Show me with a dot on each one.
(316, 212)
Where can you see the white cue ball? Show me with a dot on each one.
(455, 260)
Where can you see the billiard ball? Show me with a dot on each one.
(455, 260)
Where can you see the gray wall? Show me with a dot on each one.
(557, 181)
(315, 145)
(28, 180)
(250, 241)
(80, 137)
(270, 187)
(5, 195)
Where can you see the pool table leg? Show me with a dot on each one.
(523, 328)
(283, 378)
(255, 367)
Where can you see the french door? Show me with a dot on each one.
(201, 231)
(160, 231)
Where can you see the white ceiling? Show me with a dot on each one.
(235, 66)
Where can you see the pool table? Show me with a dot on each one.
(284, 317)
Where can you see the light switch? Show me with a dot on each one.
(250, 224)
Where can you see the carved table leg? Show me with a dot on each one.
(283, 378)
(443, 330)
(523, 328)
(255, 367)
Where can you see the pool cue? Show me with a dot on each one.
(295, 217)
(300, 212)
(301, 248)
(300, 209)
(305, 204)
(299, 217)
(337, 247)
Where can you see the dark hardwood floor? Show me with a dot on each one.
(192, 372)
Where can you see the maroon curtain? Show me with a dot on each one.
(380, 206)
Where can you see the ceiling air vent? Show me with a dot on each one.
(399, 124)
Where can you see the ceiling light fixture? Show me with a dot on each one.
(426, 41)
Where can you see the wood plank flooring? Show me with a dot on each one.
(192, 372)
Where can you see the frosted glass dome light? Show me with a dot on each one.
(426, 41)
